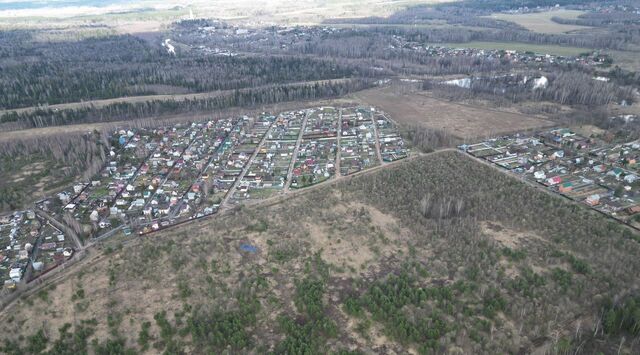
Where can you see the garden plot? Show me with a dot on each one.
(316, 157)
(392, 146)
(357, 142)
(53, 249)
(159, 184)
(315, 162)
(18, 236)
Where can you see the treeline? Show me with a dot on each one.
(601, 19)
(494, 30)
(566, 88)
(157, 108)
(54, 160)
(504, 5)
(608, 40)
(424, 14)
(386, 51)
(115, 66)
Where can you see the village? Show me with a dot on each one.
(281, 39)
(158, 177)
(600, 173)
(30, 246)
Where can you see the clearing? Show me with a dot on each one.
(542, 21)
(459, 120)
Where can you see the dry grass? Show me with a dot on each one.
(541, 21)
(128, 18)
(460, 120)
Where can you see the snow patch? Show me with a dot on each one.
(170, 48)
(540, 83)
(463, 83)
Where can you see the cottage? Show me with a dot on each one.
(593, 200)
(15, 274)
(554, 180)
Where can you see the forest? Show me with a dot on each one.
(116, 66)
(157, 109)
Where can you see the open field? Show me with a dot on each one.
(522, 47)
(629, 60)
(541, 21)
(330, 257)
(152, 15)
(459, 120)
(433, 24)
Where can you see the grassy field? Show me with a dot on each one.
(523, 47)
(629, 60)
(458, 120)
(541, 21)
(380, 263)
(152, 15)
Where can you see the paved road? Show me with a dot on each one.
(294, 158)
(236, 183)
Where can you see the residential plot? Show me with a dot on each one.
(29, 246)
(601, 175)
(18, 236)
(268, 171)
(358, 143)
(53, 249)
(316, 158)
(89, 201)
(392, 146)
(154, 178)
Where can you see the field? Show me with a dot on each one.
(459, 120)
(487, 272)
(522, 47)
(628, 60)
(542, 22)
(152, 15)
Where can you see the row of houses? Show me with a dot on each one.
(358, 141)
(392, 146)
(268, 172)
(316, 158)
(29, 245)
(588, 170)
(156, 177)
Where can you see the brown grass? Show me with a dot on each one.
(541, 21)
(464, 121)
